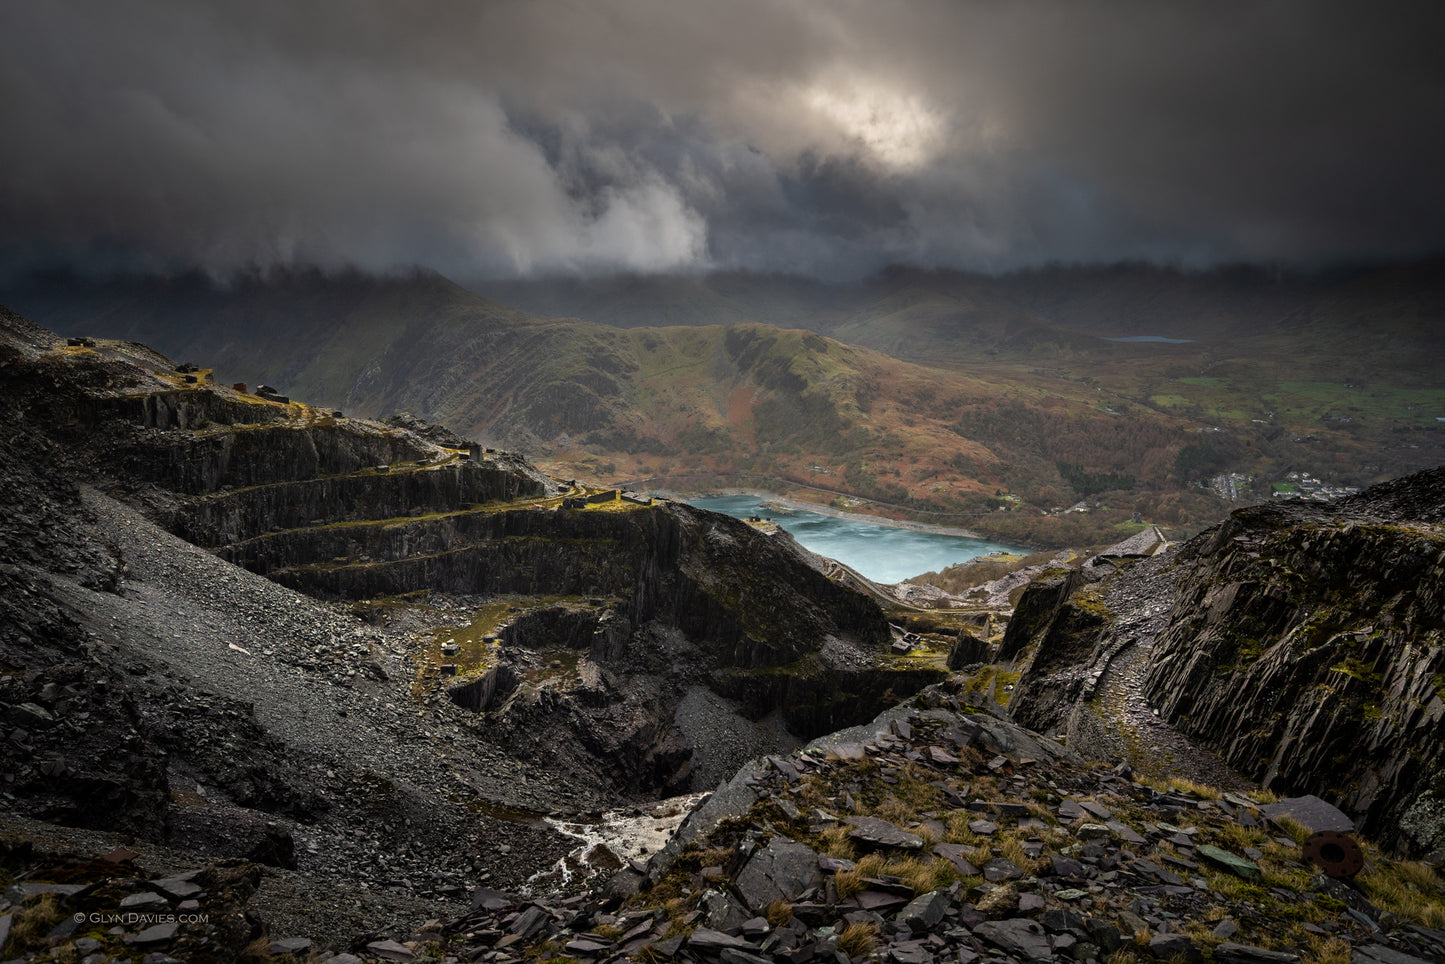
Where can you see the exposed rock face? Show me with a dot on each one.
(1040, 610)
(967, 650)
(1301, 642)
(1306, 646)
(713, 577)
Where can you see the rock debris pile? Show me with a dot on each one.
(925, 845)
(935, 840)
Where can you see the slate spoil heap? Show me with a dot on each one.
(937, 840)
(927, 845)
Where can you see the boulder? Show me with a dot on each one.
(924, 912)
(783, 870)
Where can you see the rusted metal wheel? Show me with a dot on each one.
(1335, 853)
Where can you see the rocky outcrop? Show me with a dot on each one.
(1308, 647)
(1301, 642)
(1017, 853)
(713, 577)
(1044, 613)
(352, 509)
(1057, 628)
(259, 525)
(967, 650)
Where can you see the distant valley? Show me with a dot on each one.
(284, 652)
(1007, 405)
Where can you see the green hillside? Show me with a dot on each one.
(1009, 407)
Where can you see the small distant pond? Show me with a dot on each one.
(1159, 338)
(883, 553)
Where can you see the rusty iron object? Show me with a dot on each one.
(1334, 853)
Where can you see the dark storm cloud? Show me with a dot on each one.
(511, 138)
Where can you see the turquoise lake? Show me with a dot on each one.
(883, 553)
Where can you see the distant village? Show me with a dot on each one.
(1238, 487)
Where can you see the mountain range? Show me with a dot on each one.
(994, 403)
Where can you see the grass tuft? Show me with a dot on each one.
(847, 883)
(858, 939)
(32, 924)
(835, 842)
(1332, 950)
(256, 952)
(780, 913)
(1293, 829)
(958, 831)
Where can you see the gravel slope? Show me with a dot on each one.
(279, 715)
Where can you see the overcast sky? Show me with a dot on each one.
(497, 139)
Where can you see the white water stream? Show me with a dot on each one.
(607, 845)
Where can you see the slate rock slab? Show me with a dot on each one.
(1246, 954)
(177, 888)
(1000, 869)
(924, 912)
(1168, 947)
(1380, 954)
(721, 912)
(953, 853)
(911, 952)
(1124, 832)
(881, 833)
(1025, 939)
(144, 903)
(156, 934)
(1233, 863)
(390, 951)
(707, 939)
(782, 870)
(878, 901)
(1058, 921)
(732, 955)
(1067, 867)
(529, 922)
(1314, 813)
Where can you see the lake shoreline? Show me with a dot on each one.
(831, 512)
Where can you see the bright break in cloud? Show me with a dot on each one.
(501, 139)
